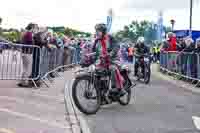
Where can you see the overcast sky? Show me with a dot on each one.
(84, 14)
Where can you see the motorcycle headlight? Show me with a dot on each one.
(91, 68)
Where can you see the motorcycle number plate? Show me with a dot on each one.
(146, 59)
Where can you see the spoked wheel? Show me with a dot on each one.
(147, 74)
(85, 96)
(125, 100)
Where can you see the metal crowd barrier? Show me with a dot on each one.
(184, 64)
(50, 59)
(16, 62)
(28, 62)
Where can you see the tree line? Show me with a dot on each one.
(143, 28)
(14, 35)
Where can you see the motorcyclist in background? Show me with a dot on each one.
(107, 57)
(140, 50)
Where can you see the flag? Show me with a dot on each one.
(160, 27)
(109, 20)
(109, 23)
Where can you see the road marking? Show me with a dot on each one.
(54, 124)
(4, 130)
(196, 121)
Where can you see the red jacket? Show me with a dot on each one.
(172, 43)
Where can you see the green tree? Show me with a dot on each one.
(12, 35)
(69, 31)
(142, 28)
(134, 30)
(75, 33)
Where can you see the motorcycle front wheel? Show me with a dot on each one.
(90, 94)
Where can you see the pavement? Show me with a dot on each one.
(30, 110)
(160, 107)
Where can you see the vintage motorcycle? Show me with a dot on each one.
(144, 61)
(97, 89)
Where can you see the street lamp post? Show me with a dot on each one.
(191, 7)
(172, 23)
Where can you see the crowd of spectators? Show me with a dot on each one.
(42, 45)
(185, 51)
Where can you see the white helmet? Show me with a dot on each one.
(140, 40)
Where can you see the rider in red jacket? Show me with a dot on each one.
(107, 56)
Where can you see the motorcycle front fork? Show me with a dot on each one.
(107, 94)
